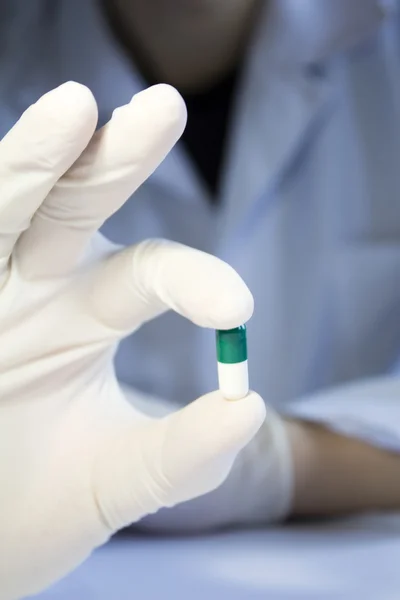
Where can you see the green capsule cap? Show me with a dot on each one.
(231, 345)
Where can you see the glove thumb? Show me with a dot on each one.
(168, 461)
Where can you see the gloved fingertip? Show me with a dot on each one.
(233, 306)
(165, 100)
(216, 296)
(212, 425)
(71, 103)
(235, 421)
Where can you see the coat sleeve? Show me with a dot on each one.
(368, 410)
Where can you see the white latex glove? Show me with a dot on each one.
(257, 492)
(77, 461)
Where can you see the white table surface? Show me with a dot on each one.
(357, 559)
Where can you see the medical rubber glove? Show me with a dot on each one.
(258, 491)
(77, 461)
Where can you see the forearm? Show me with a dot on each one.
(335, 474)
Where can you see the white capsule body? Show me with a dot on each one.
(233, 380)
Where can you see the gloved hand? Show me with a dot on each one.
(77, 461)
(258, 491)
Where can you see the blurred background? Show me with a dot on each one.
(289, 170)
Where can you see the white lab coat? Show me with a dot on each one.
(309, 212)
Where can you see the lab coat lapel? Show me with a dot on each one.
(178, 174)
(284, 93)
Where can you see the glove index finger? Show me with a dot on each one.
(143, 281)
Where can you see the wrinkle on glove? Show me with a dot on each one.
(258, 490)
(77, 461)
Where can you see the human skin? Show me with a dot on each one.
(190, 44)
